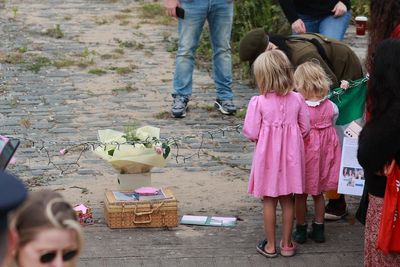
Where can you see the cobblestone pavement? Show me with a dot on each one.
(71, 68)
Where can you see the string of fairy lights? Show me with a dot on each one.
(54, 149)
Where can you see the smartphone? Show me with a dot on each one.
(353, 130)
(180, 12)
(8, 146)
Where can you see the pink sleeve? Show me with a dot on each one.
(252, 121)
(304, 117)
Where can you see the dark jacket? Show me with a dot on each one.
(345, 63)
(317, 8)
(379, 143)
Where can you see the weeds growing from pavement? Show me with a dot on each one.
(21, 49)
(55, 32)
(97, 71)
(3, 88)
(154, 13)
(162, 115)
(38, 63)
(241, 113)
(13, 102)
(12, 58)
(123, 70)
(26, 122)
(128, 88)
(14, 10)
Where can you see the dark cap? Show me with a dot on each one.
(253, 44)
(12, 193)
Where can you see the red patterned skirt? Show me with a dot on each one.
(372, 256)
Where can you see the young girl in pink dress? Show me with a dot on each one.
(276, 120)
(322, 149)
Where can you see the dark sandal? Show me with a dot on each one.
(261, 249)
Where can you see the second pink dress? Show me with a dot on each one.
(322, 148)
(277, 124)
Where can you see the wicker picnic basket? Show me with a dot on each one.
(133, 214)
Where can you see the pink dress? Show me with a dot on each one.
(322, 148)
(277, 124)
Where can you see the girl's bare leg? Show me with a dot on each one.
(270, 222)
(319, 204)
(301, 208)
(287, 206)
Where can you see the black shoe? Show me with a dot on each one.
(225, 106)
(317, 232)
(336, 209)
(179, 106)
(300, 235)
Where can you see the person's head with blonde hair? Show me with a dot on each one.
(311, 81)
(273, 73)
(48, 231)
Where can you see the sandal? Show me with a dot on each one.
(261, 249)
(288, 251)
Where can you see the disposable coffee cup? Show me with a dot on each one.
(361, 25)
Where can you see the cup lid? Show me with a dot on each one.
(361, 18)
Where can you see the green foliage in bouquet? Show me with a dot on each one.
(131, 136)
(130, 133)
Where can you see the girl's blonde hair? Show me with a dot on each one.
(273, 72)
(43, 210)
(311, 80)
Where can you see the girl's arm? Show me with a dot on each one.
(303, 117)
(252, 121)
(335, 114)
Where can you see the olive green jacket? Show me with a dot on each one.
(345, 63)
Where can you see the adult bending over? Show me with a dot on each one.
(336, 58)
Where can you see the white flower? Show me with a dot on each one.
(63, 152)
(344, 84)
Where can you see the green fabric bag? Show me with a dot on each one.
(351, 102)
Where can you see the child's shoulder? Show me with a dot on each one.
(295, 95)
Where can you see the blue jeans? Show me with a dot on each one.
(219, 15)
(330, 26)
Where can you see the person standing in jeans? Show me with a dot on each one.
(328, 17)
(219, 15)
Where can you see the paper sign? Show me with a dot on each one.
(351, 176)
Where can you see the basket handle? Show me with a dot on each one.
(145, 213)
(142, 222)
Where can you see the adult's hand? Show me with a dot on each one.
(339, 9)
(298, 26)
(170, 7)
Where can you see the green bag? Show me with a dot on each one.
(351, 101)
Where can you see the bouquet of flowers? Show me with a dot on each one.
(135, 151)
